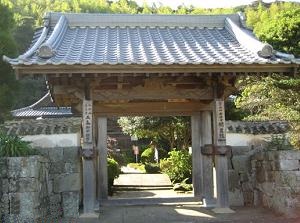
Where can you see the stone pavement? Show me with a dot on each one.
(140, 180)
(184, 214)
(190, 212)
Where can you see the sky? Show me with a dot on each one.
(202, 3)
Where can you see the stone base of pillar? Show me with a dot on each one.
(89, 186)
(209, 203)
(223, 211)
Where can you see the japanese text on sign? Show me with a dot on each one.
(87, 121)
(220, 119)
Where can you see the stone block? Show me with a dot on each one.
(236, 198)
(24, 203)
(23, 167)
(287, 165)
(248, 198)
(71, 154)
(70, 204)
(4, 204)
(240, 150)
(72, 167)
(24, 185)
(43, 151)
(267, 188)
(4, 186)
(270, 176)
(259, 156)
(286, 178)
(57, 167)
(66, 182)
(56, 154)
(247, 187)
(261, 175)
(233, 180)
(241, 163)
(288, 155)
(55, 199)
(3, 168)
(243, 176)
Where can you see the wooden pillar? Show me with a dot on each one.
(208, 183)
(89, 178)
(221, 159)
(102, 153)
(196, 155)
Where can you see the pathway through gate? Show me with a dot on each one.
(132, 188)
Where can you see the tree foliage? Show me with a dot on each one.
(7, 47)
(175, 130)
(275, 97)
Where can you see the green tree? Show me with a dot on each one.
(275, 97)
(7, 47)
(175, 130)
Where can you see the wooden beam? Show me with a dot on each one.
(102, 152)
(148, 69)
(143, 93)
(197, 156)
(150, 108)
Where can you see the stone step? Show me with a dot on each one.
(140, 187)
(150, 201)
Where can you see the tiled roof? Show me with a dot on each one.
(147, 39)
(44, 108)
(73, 124)
(256, 128)
(42, 126)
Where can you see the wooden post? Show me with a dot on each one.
(102, 152)
(89, 181)
(208, 183)
(221, 160)
(196, 156)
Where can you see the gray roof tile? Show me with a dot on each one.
(42, 108)
(146, 39)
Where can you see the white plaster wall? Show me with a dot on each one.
(55, 140)
(237, 139)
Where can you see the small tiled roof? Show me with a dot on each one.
(256, 128)
(42, 126)
(44, 108)
(97, 39)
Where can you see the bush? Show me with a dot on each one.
(14, 146)
(147, 156)
(113, 171)
(152, 168)
(178, 166)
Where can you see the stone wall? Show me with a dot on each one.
(24, 194)
(65, 177)
(265, 178)
(276, 185)
(240, 183)
(37, 187)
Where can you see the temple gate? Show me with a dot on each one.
(151, 65)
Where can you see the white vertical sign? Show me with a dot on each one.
(87, 127)
(220, 122)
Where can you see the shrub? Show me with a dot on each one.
(14, 146)
(147, 156)
(152, 168)
(113, 171)
(178, 166)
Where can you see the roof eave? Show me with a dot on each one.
(288, 67)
